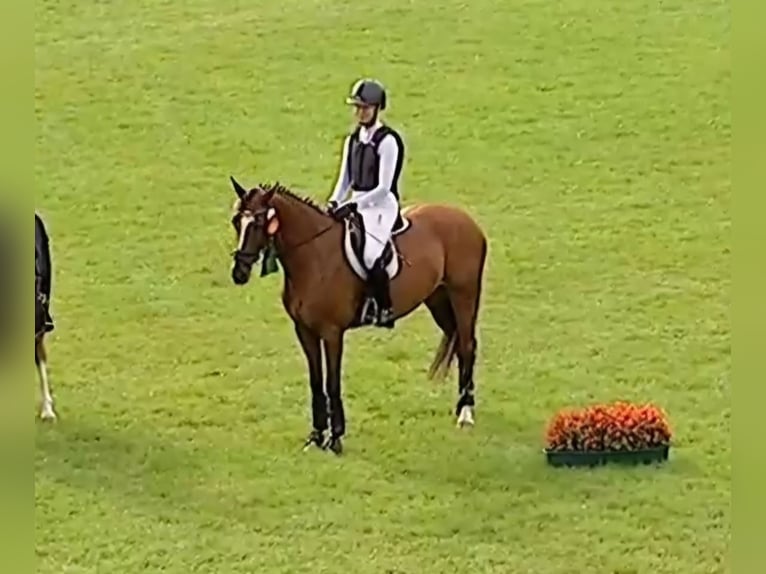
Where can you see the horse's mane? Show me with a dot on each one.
(282, 190)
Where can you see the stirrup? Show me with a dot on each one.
(385, 318)
(369, 314)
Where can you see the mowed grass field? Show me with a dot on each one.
(591, 139)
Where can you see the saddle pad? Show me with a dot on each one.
(356, 260)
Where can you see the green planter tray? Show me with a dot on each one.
(596, 458)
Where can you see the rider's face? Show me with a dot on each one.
(364, 114)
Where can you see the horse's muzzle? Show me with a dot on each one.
(243, 266)
(240, 273)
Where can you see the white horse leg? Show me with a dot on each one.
(47, 412)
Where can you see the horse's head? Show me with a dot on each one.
(255, 223)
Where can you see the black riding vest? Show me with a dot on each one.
(364, 161)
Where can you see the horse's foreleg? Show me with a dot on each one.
(333, 350)
(41, 358)
(311, 347)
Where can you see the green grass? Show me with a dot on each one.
(591, 139)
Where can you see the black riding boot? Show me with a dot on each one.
(382, 296)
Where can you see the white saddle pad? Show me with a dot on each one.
(393, 265)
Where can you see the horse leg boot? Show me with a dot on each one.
(381, 285)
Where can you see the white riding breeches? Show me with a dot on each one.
(379, 219)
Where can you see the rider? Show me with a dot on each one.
(43, 269)
(371, 163)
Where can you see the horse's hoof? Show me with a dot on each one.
(48, 416)
(465, 418)
(334, 444)
(315, 438)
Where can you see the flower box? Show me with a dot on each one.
(619, 432)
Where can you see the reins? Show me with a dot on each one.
(310, 239)
(250, 258)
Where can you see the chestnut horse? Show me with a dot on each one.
(436, 257)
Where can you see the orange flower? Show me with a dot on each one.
(616, 426)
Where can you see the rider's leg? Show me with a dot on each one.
(379, 220)
(382, 291)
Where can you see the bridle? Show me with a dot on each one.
(243, 257)
(259, 220)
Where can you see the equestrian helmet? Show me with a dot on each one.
(369, 93)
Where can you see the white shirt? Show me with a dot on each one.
(388, 152)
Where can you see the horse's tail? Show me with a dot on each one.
(447, 350)
(445, 354)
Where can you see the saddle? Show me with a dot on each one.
(355, 239)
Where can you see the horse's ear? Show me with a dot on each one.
(241, 192)
(269, 195)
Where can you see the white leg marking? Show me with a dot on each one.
(466, 417)
(47, 412)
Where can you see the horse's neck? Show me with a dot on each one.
(297, 239)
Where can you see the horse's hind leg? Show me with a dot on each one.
(452, 312)
(441, 306)
(464, 306)
(41, 358)
(465, 298)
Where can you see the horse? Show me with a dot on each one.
(436, 257)
(43, 323)
(47, 412)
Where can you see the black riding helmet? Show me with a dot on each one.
(368, 92)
